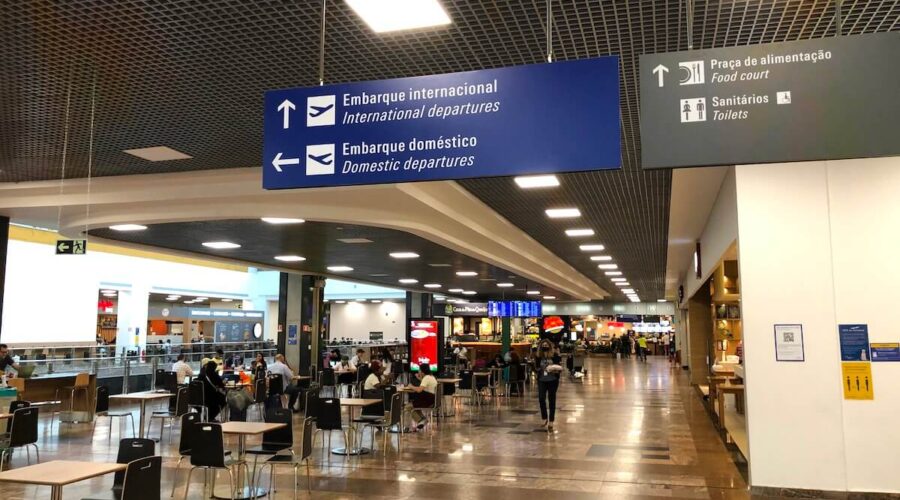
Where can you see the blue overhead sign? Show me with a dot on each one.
(540, 118)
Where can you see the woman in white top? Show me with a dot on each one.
(424, 393)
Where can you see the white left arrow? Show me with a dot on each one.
(278, 162)
(286, 107)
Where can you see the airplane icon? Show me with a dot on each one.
(319, 110)
(320, 159)
(324, 159)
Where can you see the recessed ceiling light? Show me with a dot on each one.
(455, 290)
(601, 258)
(375, 301)
(537, 181)
(282, 220)
(221, 245)
(533, 292)
(109, 295)
(623, 283)
(340, 301)
(618, 279)
(468, 292)
(549, 297)
(359, 300)
(404, 255)
(607, 266)
(354, 241)
(227, 300)
(466, 273)
(592, 248)
(128, 227)
(439, 297)
(200, 299)
(562, 213)
(613, 273)
(340, 269)
(628, 291)
(439, 265)
(505, 285)
(579, 232)
(408, 281)
(172, 299)
(661, 300)
(432, 285)
(173, 296)
(290, 258)
(396, 15)
(158, 153)
(108, 290)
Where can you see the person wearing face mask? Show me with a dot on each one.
(548, 369)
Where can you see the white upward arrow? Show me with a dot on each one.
(278, 162)
(286, 106)
(659, 71)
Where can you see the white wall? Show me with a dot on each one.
(817, 246)
(356, 319)
(53, 298)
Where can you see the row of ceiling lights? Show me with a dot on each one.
(610, 269)
(228, 245)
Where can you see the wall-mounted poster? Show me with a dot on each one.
(789, 343)
(854, 342)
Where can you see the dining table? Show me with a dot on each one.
(142, 398)
(242, 430)
(352, 404)
(59, 473)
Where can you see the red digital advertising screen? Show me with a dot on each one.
(423, 344)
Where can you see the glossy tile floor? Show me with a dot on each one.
(628, 429)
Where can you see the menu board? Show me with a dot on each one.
(514, 308)
(424, 344)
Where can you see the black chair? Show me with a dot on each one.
(276, 440)
(259, 396)
(328, 380)
(391, 419)
(362, 373)
(208, 453)
(516, 377)
(22, 434)
(160, 379)
(102, 410)
(197, 397)
(129, 451)
(164, 416)
(328, 419)
(141, 479)
(13, 406)
(184, 444)
(276, 385)
(293, 460)
(313, 402)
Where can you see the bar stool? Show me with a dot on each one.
(82, 383)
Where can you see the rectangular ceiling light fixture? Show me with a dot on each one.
(607, 266)
(618, 279)
(384, 16)
(533, 292)
(623, 283)
(354, 241)
(282, 220)
(537, 181)
(592, 248)
(613, 273)
(404, 255)
(579, 232)
(601, 258)
(158, 153)
(562, 213)
(128, 227)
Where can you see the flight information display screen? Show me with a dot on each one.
(514, 308)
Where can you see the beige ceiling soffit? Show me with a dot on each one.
(441, 212)
(694, 192)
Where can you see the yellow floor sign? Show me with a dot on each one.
(856, 377)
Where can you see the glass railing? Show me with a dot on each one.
(134, 371)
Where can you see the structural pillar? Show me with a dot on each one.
(4, 244)
(505, 335)
(312, 332)
(699, 334)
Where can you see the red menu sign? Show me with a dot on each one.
(423, 344)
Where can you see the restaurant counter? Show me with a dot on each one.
(43, 388)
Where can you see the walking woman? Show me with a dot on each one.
(548, 369)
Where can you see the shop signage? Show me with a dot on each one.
(71, 247)
(467, 309)
(827, 98)
(885, 351)
(530, 119)
(854, 342)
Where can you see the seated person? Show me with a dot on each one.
(422, 395)
(234, 361)
(373, 389)
(497, 362)
(345, 372)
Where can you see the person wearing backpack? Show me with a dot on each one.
(548, 369)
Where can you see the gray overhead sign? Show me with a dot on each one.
(829, 98)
